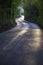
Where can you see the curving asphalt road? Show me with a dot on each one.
(21, 45)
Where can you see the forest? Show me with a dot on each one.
(33, 12)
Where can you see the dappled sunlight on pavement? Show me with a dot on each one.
(21, 45)
(21, 49)
(35, 39)
(17, 36)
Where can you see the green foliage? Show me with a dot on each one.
(17, 13)
(7, 11)
(5, 3)
(34, 11)
(31, 13)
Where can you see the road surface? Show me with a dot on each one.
(21, 45)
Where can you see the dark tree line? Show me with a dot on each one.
(34, 11)
(7, 12)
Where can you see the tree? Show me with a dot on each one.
(7, 12)
(34, 11)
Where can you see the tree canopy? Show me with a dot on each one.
(7, 11)
(33, 8)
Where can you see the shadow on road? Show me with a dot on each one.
(23, 47)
